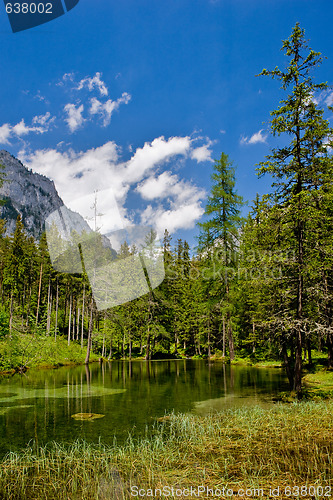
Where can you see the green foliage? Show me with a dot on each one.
(4, 323)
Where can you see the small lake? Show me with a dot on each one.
(39, 404)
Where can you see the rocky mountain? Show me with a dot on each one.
(31, 195)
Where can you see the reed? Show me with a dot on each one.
(249, 448)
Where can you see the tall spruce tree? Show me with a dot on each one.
(300, 168)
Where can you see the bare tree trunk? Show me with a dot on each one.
(130, 348)
(48, 321)
(199, 347)
(39, 291)
(70, 319)
(231, 341)
(23, 305)
(110, 352)
(287, 365)
(56, 314)
(330, 351)
(84, 289)
(103, 347)
(299, 343)
(298, 364)
(74, 318)
(148, 353)
(89, 333)
(11, 314)
(223, 338)
(29, 305)
(208, 339)
(148, 343)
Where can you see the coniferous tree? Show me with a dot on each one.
(299, 168)
(219, 238)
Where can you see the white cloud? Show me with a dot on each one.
(326, 96)
(157, 187)
(177, 202)
(329, 99)
(154, 153)
(5, 133)
(66, 77)
(256, 138)
(106, 109)
(41, 124)
(21, 129)
(203, 153)
(182, 217)
(94, 82)
(45, 121)
(39, 96)
(77, 174)
(182, 198)
(168, 185)
(74, 116)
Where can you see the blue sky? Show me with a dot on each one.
(135, 99)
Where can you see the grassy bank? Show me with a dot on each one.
(250, 448)
(319, 384)
(31, 351)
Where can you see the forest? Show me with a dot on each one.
(258, 287)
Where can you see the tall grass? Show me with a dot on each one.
(284, 446)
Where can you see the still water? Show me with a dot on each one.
(39, 405)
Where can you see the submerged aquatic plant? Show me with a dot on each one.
(253, 447)
(87, 416)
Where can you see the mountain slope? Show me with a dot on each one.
(31, 195)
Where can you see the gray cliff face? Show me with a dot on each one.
(31, 195)
(35, 198)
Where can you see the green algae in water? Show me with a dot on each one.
(5, 409)
(87, 416)
(66, 392)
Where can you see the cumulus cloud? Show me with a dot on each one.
(5, 132)
(183, 200)
(168, 185)
(181, 217)
(40, 125)
(256, 138)
(157, 187)
(77, 175)
(106, 109)
(22, 129)
(92, 83)
(74, 118)
(203, 153)
(152, 154)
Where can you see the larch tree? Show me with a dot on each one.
(299, 169)
(219, 237)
